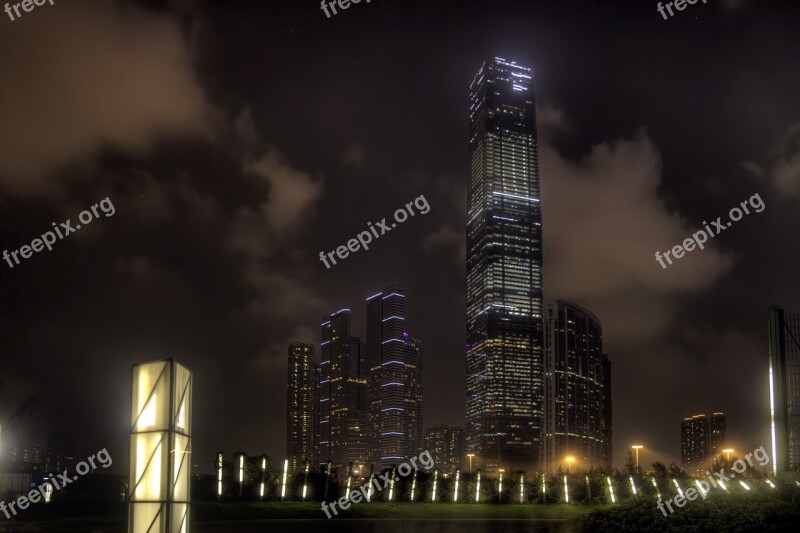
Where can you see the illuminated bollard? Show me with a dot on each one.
(611, 490)
(588, 489)
(633, 488)
(263, 477)
(478, 489)
(435, 480)
(656, 487)
(219, 475)
(744, 485)
(305, 482)
(677, 486)
(566, 491)
(241, 473)
(283, 483)
(391, 485)
(544, 488)
(413, 485)
(161, 444)
(455, 493)
(522, 488)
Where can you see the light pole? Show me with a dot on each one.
(470, 456)
(728, 452)
(637, 447)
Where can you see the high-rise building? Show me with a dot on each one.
(784, 390)
(301, 406)
(394, 360)
(342, 394)
(718, 434)
(695, 446)
(446, 446)
(504, 358)
(577, 420)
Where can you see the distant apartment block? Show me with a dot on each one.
(446, 445)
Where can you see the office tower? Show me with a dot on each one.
(394, 360)
(342, 394)
(784, 390)
(577, 419)
(717, 434)
(695, 448)
(446, 446)
(301, 406)
(504, 272)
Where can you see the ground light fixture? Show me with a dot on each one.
(369, 487)
(455, 492)
(633, 488)
(305, 482)
(522, 488)
(391, 486)
(611, 490)
(544, 487)
(744, 485)
(770, 483)
(435, 481)
(566, 491)
(219, 475)
(721, 484)
(656, 487)
(700, 488)
(500, 486)
(478, 489)
(677, 486)
(263, 474)
(413, 485)
(283, 483)
(588, 488)
(241, 473)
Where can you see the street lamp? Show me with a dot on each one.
(728, 452)
(570, 460)
(637, 447)
(470, 455)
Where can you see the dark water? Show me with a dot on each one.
(479, 525)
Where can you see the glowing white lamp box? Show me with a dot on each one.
(161, 447)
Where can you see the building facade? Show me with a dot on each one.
(718, 438)
(394, 359)
(784, 389)
(577, 420)
(446, 446)
(302, 403)
(695, 443)
(342, 394)
(505, 338)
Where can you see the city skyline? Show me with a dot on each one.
(235, 151)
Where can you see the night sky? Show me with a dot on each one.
(238, 139)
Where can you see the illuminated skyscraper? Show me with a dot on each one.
(577, 401)
(784, 390)
(504, 271)
(695, 447)
(301, 405)
(395, 380)
(342, 394)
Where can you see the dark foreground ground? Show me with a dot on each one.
(743, 513)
